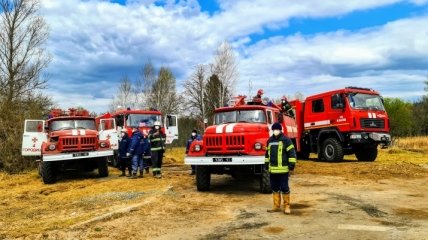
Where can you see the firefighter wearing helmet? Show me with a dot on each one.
(280, 160)
(258, 97)
(157, 148)
(286, 107)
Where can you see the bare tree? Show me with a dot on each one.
(22, 56)
(125, 95)
(194, 89)
(163, 95)
(226, 69)
(144, 84)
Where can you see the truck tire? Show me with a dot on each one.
(203, 178)
(48, 172)
(102, 167)
(265, 182)
(332, 150)
(367, 154)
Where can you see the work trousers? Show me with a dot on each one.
(157, 157)
(137, 163)
(125, 162)
(279, 182)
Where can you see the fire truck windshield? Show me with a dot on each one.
(250, 116)
(72, 124)
(365, 101)
(132, 120)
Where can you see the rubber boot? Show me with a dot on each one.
(276, 202)
(286, 198)
(141, 174)
(133, 176)
(123, 174)
(147, 169)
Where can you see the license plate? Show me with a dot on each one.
(222, 159)
(80, 154)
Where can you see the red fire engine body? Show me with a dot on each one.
(68, 139)
(130, 119)
(351, 120)
(345, 121)
(236, 143)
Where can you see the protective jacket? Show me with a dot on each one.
(124, 145)
(280, 156)
(139, 144)
(157, 140)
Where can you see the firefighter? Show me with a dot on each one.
(194, 136)
(258, 97)
(147, 158)
(124, 160)
(280, 160)
(157, 148)
(286, 107)
(139, 145)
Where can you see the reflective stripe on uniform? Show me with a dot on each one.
(146, 157)
(155, 139)
(266, 160)
(156, 149)
(283, 169)
(156, 169)
(279, 156)
(290, 147)
(292, 160)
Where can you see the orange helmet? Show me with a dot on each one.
(284, 98)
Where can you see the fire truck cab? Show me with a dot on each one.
(130, 119)
(67, 140)
(352, 120)
(236, 143)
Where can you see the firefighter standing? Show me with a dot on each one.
(124, 145)
(157, 148)
(280, 160)
(193, 137)
(139, 145)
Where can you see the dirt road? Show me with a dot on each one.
(348, 200)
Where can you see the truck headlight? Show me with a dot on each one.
(103, 144)
(258, 146)
(355, 136)
(197, 148)
(52, 147)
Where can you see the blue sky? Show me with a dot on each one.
(281, 46)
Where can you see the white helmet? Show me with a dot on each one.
(157, 123)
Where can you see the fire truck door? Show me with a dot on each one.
(108, 131)
(33, 137)
(171, 128)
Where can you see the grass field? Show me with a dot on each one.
(27, 206)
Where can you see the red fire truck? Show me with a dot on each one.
(351, 120)
(67, 140)
(129, 119)
(236, 143)
(345, 121)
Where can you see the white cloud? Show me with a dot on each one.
(94, 43)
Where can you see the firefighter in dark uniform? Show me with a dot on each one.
(124, 145)
(157, 148)
(193, 137)
(280, 160)
(286, 107)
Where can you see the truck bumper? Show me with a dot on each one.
(225, 160)
(77, 155)
(382, 138)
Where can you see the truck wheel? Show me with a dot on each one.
(332, 150)
(203, 178)
(48, 172)
(367, 154)
(102, 167)
(265, 182)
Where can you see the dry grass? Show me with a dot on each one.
(414, 144)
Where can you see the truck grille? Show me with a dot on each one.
(222, 143)
(235, 142)
(372, 123)
(78, 143)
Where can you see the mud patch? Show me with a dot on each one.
(223, 232)
(245, 215)
(300, 206)
(411, 213)
(371, 210)
(273, 230)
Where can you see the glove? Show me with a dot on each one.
(128, 154)
(291, 166)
